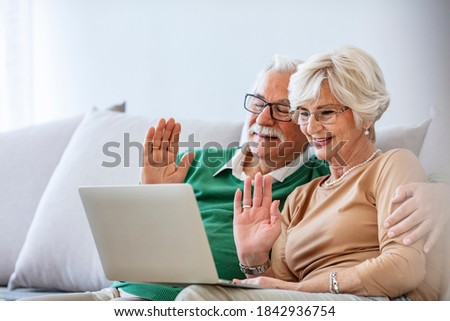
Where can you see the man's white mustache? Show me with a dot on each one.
(266, 131)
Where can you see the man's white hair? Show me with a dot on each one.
(279, 63)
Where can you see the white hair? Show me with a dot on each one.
(354, 77)
(279, 63)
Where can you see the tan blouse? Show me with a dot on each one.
(328, 229)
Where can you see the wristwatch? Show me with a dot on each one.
(253, 270)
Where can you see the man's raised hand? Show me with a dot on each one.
(160, 153)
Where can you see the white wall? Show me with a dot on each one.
(197, 58)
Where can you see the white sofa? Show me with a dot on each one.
(45, 242)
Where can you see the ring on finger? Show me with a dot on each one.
(246, 206)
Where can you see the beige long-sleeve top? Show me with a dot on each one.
(328, 229)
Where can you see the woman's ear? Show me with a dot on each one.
(369, 130)
(367, 125)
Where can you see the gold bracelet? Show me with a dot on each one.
(253, 270)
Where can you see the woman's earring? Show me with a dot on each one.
(366, 132)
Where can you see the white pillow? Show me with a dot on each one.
(435, 152)
(28, 157)
(59, 252)
(402, 136)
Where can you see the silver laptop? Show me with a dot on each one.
(150, 234)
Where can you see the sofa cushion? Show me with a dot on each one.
(59, 252)
(435, 153)
(28, 157)
(402, 136)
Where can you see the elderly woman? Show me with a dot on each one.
(330, 243)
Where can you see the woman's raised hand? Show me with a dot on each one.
(257, 221)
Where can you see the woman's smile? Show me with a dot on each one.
(321, 142)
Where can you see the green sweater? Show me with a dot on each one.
(215, 195)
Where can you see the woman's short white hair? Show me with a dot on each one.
(354, 77)
(279, 63)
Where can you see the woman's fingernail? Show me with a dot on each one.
(391, 234)
(407, 241)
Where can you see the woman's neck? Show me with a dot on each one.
(354, 156)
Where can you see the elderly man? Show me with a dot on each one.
(276, 147)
